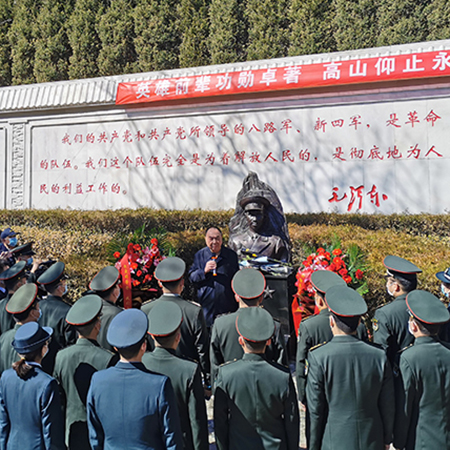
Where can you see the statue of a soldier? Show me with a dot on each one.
(258, 225)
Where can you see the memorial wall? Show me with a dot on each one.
(360, 131)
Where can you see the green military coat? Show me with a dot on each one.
(349, 394)
(390, 328)
(54, 310)
(315, 330)
(423, 396)
(187, 383)
(6, 319)
(194, 343)
(74, 368)
(109, 311)
(255, 406)
(225, 345)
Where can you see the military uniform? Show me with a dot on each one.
(127, 405)
(187, 383)
(255, 405)
(313, 331)
(30, 411)
(74, 368)
(350, 387)
(6, 320)
(423, 387)
(390, 322)
(194, 335)
(165, 320)
(106, 279)
(225, 345)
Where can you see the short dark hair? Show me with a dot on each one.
(407, 284)
(346, 324)
(430, 329)
(171, 285)
(167, 341)
(20, 317)
(11, 284)
(107, 293)
(255, 346)
(86, 330)
(131, 351)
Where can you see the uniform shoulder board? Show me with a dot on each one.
(186, 358)
(222, 315)
(67, 303)
(229, 362)
(195, 303)
(307, 318)
(317, 346)
(276, 320)
(405, 348)
(148, 301)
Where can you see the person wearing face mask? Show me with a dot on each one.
(76, 364)
(423, 392)
(13, 279)
(390, 323)
(54, 308)
(8, 240)
(106, 285)
(24, 308)
(30, 409)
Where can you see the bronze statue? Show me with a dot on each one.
(258, 226)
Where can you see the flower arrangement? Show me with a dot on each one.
(142, 262)
(350, 266)
(136, 257)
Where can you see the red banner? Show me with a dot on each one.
(367, 70)
(126, 282)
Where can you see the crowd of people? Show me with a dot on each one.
(95, 376)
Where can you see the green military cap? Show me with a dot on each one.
(23, 250)
(84, 310)
(170, 269)
(255, 324)
(426, 307)
(105, 279)
(128, 328)
(400, 267)
(344, 301)
(322, 280)
(15, 271)
(248, 283)
(22, 299)
(53, 274)
(164, 318)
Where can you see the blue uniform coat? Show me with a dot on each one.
(30, 412)
(129, 407)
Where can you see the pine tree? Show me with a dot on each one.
(158, 38)
(228, 37)
(21, 39)
(402, 21)
(51, 43)
(311, 27)
(194, 28)
(438, 15)
(83, 38)
(116, 32)
(355, 24)
(268, 29)
(5, 48)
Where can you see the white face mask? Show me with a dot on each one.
(409, 328)
(46, 351)
(391, 294)
(444, 291)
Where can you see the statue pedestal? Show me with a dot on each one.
(278, 298)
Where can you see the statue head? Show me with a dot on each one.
(254, 211)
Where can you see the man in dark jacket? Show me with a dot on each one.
(212, 271)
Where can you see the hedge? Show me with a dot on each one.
(80, 238)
